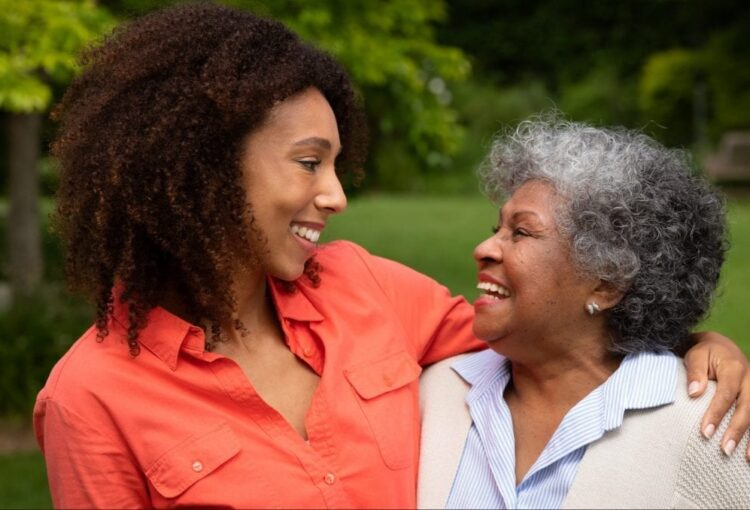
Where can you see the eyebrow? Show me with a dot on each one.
(519, 213)
(316, 141)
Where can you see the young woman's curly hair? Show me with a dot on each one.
(151, 135)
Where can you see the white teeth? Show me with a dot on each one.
(306, 233)
(493, 288)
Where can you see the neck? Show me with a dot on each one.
(559, 373)
(255, 310)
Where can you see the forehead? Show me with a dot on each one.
(534, 196)
(302, 116)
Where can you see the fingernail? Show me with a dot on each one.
(694, 387)
(708, 431)
(729, 447)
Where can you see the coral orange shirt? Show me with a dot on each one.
(179, 426)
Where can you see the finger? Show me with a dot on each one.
(738, 425)
(729, 375)
(697, 366)
(740, 421)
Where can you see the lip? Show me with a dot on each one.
(486, 277)
(487, 301)
(309, 224)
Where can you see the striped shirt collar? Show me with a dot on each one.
(643, 380)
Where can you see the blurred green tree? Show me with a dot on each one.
(39, 41)
(667, 93)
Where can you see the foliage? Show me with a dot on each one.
(485, 109)
(39, 41)
(37, 330)
(389, 49)
(600, 96)
(727, 62)
(666, 93)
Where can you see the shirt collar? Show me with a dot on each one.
(484, 371)
(164, 334)
(643, 380)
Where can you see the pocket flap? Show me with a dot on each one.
(191, 460)
(382, 376)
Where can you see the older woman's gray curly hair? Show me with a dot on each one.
(635, 216)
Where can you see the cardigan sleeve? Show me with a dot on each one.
(709, 479)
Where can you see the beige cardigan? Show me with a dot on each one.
(656, 459)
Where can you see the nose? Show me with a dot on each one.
(488, 251)
(331, 197)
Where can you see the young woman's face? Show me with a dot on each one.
(291, 182)
(537, 291)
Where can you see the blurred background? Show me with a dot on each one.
(439, 78)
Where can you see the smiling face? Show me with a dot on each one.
(530, 287)
(291, 181)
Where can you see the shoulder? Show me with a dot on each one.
(89, 368)
(662, 460)
(346, 256)
(706, 477)
(437, 372)
(440, 385)
(342, 251)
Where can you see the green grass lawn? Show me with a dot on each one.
(23, 481)
(435, 235)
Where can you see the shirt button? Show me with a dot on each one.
(197, 466)
(388, 380)
(307, 351)
(330, 478)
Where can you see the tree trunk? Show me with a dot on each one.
(24, 239)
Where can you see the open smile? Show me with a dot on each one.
(306, 232)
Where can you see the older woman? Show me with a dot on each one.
(606, 253)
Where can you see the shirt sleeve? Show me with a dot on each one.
(438, 325)
(85, 468)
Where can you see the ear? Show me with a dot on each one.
(606, 295)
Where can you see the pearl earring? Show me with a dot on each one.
(592, 308)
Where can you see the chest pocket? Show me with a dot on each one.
(192, 460)
(388, 400)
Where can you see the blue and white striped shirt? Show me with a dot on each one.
(486, 474)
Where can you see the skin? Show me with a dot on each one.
(290, 178)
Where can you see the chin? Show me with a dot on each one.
(288, 272)
(487, 332)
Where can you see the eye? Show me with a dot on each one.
(310, 164)
(495, 229)
(520, 232)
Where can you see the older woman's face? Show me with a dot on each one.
(291, 182)
(530, 288)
